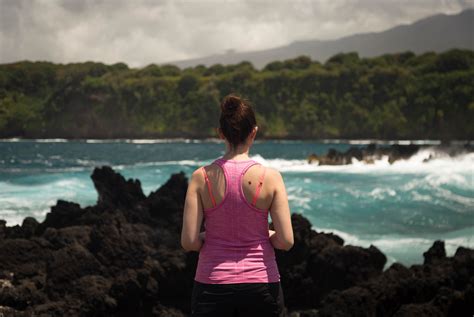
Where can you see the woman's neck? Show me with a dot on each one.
(238, 154)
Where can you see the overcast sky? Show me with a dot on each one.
(141, 32)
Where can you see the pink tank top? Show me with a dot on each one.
(237, 248)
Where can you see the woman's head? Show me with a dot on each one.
(237, 120)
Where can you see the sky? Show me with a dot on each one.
(142, 32)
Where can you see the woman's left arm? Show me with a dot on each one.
(191, 239)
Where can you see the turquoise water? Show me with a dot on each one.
(400, 208)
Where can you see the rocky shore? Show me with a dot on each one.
(394, 152)
(122, 257)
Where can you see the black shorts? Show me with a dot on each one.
(241, 299)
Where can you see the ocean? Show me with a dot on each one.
(401, 208)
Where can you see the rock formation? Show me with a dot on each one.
(394, 152)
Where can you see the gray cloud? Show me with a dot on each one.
(141, 32)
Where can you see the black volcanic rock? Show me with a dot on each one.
(339, 267)
(319, 263)
(368, 154)
(3, 228)
(114, 190)
(63, 214)
(163, 203)
(435, 253)
(68, 264)
(440, 289)
(29, 226)
(394, 152)
(122, 257)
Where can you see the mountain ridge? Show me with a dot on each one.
(420, 36)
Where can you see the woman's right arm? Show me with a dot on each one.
(282, 238)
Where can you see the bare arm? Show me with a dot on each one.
(191, 239)
(282, 237)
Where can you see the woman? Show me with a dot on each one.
(237, 274)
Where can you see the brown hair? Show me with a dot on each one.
(237, 119)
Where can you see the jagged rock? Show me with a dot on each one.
(164, 202)
(63, 214)
(441, 288)
(394, 152)
(319, 263)
(114, 190)
(435, 253)
(367, 154)
(29, 226)
(3, 229)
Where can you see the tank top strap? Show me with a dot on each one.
(209, 186)
(233, 173)
(221, 164)
(259, 187)
(218, 162)
(247, 166)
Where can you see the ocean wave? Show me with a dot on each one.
(16, 216)
(55, 140)
(381, 142)
(120, 140)
(152, 141)
(30, 170)
(14, 204)
(299, 197)
(442, 167)
(439, 163)
(18, 201)
(382, 193)
(10, 187)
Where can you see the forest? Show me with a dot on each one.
(392, 96)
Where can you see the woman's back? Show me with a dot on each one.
(236, 200)
(249, 184)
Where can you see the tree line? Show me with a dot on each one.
(392, 96)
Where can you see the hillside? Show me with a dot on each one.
(393, 96)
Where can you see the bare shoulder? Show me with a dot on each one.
(273, 173)
(197, 172)
(197, 177)
(274, 176)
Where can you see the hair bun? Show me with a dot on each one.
(231, 104)
(237, 119)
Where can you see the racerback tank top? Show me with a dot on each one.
(237, 248)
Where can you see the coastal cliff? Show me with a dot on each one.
(122, 257)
